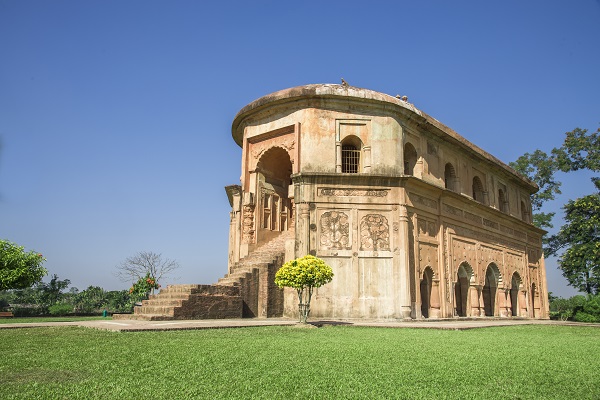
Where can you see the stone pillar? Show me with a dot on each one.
(486, 198)
(508, 304)
(475, 298)
(404, 260)
(501, 299)
(234, 193)
(523, 304)
(367, 159)
(338, 157)
(303, 230)
(434, 306)
(481, 302)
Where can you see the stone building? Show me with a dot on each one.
(416, 221)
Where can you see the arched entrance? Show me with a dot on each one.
(273, 180)
(492, 279)
(461, 289)
(426, 284)
(515, 285)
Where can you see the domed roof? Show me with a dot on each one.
(393, 104)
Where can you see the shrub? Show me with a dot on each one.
(304, 274)
(141, 289)
(60, 309)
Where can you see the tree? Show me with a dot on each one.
(579, 238)
(19, 269)
(539, 168)
(304, 274)
(51, 293)
(90, 300)
(143, 263)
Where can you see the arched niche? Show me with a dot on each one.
(274, 212)
(515, 286)
(450, 179)
(477, 189)
(464, 277)
(410, 159)
(490, 289)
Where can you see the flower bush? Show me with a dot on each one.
(304, 274)
(141, 289)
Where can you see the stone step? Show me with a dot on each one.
(221, 300)
(163, 302)
(143, 317)
(162, 310)
(172, 296)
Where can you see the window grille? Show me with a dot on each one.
(350, 159)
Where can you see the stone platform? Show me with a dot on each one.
(137, 326)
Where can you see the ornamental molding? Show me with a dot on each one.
(353, 192)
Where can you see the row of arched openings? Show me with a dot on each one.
(464, 278)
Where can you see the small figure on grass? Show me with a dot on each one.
(304, 274)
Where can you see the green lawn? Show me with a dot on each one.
(28, 320)
(542, 362)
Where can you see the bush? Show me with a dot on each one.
(577, 308)
(304, 274)
(582, 316)
(60, 309)
(19, 311)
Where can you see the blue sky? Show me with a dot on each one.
(115, 116)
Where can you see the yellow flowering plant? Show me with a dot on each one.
(304, 274)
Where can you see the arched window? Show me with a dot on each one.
(502, 203)
(477, 189)
(410, 159)
(450, 177)
(351, 149)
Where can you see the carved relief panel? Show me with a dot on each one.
(428, 257)
(463, 250)
(248, 224)
(491, 255)
(427, 228)
(374, 233)
(334, 231)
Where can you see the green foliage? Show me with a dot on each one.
(19, 269)
(50, 293)
(307, 271)
(41, 299)
(577, 308)
(90, 300)
(580, 236)
(539, 168)
(304, 274)
(343, 362)
(580, 150)
(60, 309)
(116, 301)
(141, 289)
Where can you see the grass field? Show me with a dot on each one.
(30, 320)
(542, 362)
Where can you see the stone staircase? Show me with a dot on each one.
(247, 291)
